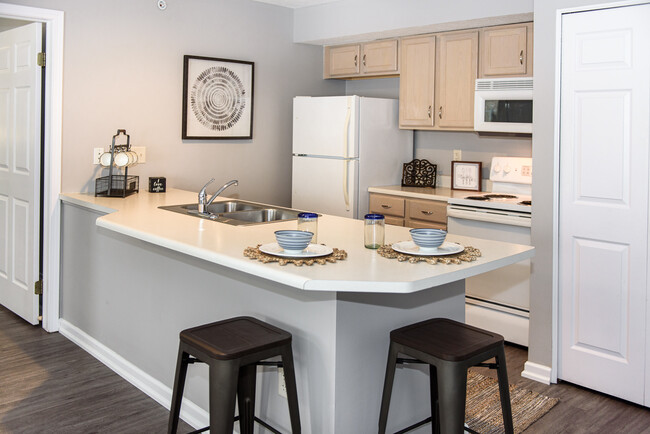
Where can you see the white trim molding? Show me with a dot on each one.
(155, 389)
(53, 108)
(537, 372)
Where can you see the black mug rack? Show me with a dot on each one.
(117, 184)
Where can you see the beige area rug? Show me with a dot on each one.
(483, 410)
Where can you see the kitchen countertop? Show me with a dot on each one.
(427, 193)
(364, 270)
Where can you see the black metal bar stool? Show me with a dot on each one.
(449, 348)
(233, 348)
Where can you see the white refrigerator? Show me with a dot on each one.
(341, 146)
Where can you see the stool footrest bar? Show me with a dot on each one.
(415, 425)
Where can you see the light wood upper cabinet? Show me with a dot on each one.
(507, 51)
(360, 60)
(457, 69)
(379, 57)
(416, 88)
(342, 60)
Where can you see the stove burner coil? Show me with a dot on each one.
(477, 198)
(526, 202)
(500, 196)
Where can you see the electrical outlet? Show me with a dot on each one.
(458, 155)
(142, 153)
(97, 152)
(282, 387)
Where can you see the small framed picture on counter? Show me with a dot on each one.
(466, 175)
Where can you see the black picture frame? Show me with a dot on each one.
(466, 175)
(217, 98)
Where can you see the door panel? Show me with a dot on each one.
(20, 111)
(603, 217)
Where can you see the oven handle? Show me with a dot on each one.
(486, 216)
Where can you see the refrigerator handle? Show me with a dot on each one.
(346, 128)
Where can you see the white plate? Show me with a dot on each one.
(312, 251)
(409, 247)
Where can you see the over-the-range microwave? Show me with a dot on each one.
(504, 105)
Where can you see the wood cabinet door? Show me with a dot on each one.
(430, 210)
(387, 205)
(343, 60)
(379, 57)
(416, 87)
(457, 67)
(505, 51)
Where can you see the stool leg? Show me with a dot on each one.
(433, 391)
(504, 391)
(177, 395)
(388, 387)
(292, 389)
(223, 391)
(246, 398)
(452, 388)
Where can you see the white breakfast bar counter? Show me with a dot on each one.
(133, 276)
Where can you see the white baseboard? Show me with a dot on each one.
(190, 412)
(537, 372)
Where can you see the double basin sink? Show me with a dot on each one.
(237, 212)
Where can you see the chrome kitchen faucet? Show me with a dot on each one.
(203, 205)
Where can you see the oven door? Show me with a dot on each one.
(507, 288)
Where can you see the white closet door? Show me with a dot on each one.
(604, 199)
(20, 156)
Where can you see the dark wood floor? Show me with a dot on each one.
(48, 384)
(580, 410)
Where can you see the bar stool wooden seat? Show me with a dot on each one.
(449, 348)
(233, 349)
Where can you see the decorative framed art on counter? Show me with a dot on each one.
(217, 98)
(466, 175)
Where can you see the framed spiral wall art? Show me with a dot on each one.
(217, 98)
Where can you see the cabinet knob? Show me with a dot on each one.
(521, 57)
(429, 112)
(440, 112)
(386, 206)
(364, 60)
(427, 212)
(356, 58)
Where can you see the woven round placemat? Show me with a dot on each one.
(256, 253)
(468, 255)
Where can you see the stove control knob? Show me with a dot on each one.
(497, 168)
(506, 169)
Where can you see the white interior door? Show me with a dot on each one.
(20, 153)
(603, 227)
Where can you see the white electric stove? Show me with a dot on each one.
(499, 300)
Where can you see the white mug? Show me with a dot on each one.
(126, 159)
(105, 159)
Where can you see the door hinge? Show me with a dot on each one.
(38, 287)
(40, 59)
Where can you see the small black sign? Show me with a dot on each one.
(157, 185)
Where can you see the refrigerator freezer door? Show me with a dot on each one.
(320, 185)
(326, 126)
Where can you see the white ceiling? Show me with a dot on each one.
(296, 3)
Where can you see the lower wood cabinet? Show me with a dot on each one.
(414, 213)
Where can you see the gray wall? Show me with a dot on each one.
(123, 69)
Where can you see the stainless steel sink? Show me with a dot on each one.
(237, 212)
(262, 215)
